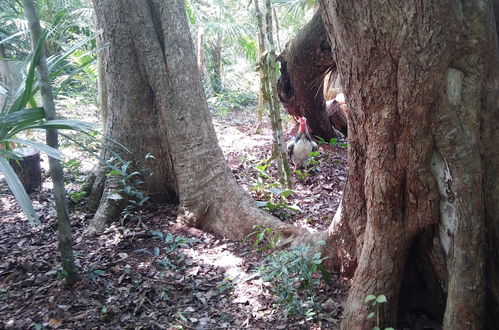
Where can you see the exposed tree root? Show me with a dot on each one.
(108, 210)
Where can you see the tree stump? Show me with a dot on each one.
(28, 169)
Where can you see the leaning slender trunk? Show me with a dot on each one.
(64, 227)
(277, 38)
(216, 50)
(269, 64)
(261, 49)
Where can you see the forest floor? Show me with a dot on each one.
(149, 272)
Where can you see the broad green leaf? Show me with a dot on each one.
(157, 233)
(294, 208)
(381, 299)
(115, 197)
(369, 298)
(282, 192)
(114, 172)
(19, 192)
(63, 124)
(313, 154)
(261, 204)
(21, 101)
(326, 275)
(9, 154)
(99, 272)
(28, 115)
(52, 152)
(370, 315)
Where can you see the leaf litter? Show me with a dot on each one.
(157, 273)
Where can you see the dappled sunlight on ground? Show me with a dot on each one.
(134, 277)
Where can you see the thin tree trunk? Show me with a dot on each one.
(278, 39)
(261, 49)
(216, 53)
(64, 227)
(94, 185)
(279, 145)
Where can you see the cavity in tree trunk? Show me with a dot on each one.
(421, 80)
(152, 76)
(304, 63)
(63, 224)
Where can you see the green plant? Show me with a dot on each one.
(130, 182)
(312, 162)
(16, 118)
(376, 302)
(94, 273)
(294, 274)
(333, 142)
(225, 285)
(277, 203)
(163, 294)
(172, 243)
(264, 238)
(4, 294)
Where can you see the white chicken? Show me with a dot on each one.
(301, 145)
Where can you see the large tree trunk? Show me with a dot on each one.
(152, 75)
(422, 92)
(131, 116)
(304, 64)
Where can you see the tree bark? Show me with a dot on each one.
(422, 94)
(152, 72)
(28, 169)
(261, 50)
(216, 53)
(269, 79)
(5, 76)
(63, 223)
(304, 64)
(132, 118)
(201, 55)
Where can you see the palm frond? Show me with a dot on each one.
(19, 192)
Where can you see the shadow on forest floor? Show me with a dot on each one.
(153, 273)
